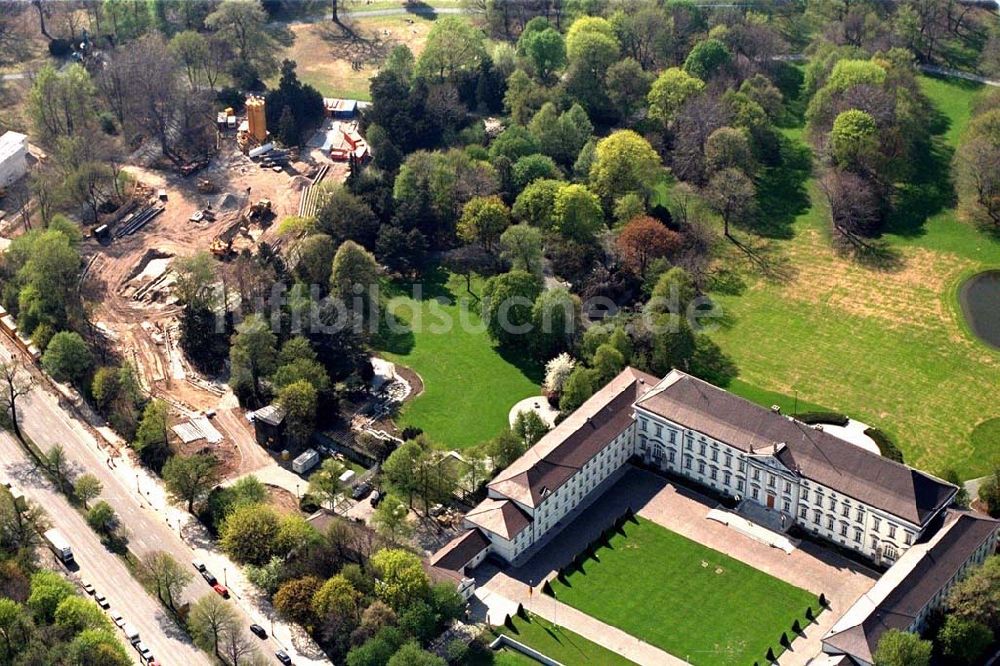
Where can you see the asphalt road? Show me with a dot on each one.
(101, 568)
(150, 525)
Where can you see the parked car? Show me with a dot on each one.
(258, 631)
(209, 578)
(221, 589)
(283, 657)
(101, 600)
(88, 588)
(143, 651)
(131, 633)
(377, 497)
(198, 565)
(436, 510)
(117, 618)
(361, 490)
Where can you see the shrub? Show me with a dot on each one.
(832, 418)
(411, 432)
(784, 640)
(822, 600)
(770, 655)
(885, 445)
(547, 589)
(809, 613)
(107, 122)
(796, 627)
(60, 48)
(507, 622)
(308, 504)
(521, 613)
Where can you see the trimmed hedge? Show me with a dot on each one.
(547, 589)
(885, 445)
(832, 418)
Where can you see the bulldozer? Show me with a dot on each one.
(206, 186)
(221, 248)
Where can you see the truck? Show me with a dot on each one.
(59, 545)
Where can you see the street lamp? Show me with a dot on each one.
(296, 491)
(137, 483)
(225, 578)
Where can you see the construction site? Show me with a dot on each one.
(226, 205)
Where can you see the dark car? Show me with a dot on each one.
(258, 631)
(283, 657)
(361, 491)
(209, 578)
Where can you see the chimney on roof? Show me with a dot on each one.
(776, 409)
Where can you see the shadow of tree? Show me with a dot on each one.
(348, 42)
(781, 191)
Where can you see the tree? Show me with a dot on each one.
(989, 493)
(61, 104)
(514, 143)
(98, 647)
(901, 648)
(58, 466)
(561, 136)
(168, 577)
(978, 166)
(624, 162)
(48, 589)
(248, 534)
(75, 614)
(87, 487)
(628, 86)
(67, 357)
(298, 400)
(555, 322)
(707, 58)
(733, 196)
(151, 437)
(855, 208)
(521, 246)
(103, 519)
(453, 45)
(608, 362)
(579, 386)
(507, 305)
(976, 598)
(345, 216)
(483, 220)
(534, 167)
(411, 654)
(253, 353)
(390, 520)
(14, 385)
(244, 26)
(729, 147)
(530, 427)
(398, 468)
(353, 276)
(546, 50)
(325, 484)
(670, 91)
(644, 239)
(963, 641)
(337, 596)
(536, 204)
(189, 479)
(853, 139)
(577, 214)
(400, 578)
(557, 371)
(210, 619)
(191, 49)
(294, 599)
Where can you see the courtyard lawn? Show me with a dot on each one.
(885, 345)
(556, 643)
(469, 384)
(691, 601)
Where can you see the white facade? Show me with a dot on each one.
(13, 157)
(760, 477)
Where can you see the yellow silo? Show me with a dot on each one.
(256, 119)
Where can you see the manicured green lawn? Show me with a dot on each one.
(556, 643)
(693, 602)
(469, 384)
(884, 345)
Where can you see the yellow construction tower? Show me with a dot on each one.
(256, 119)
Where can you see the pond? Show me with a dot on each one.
(979, 297)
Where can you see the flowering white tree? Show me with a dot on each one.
(557, 371)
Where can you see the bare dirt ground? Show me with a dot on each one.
(130, 284)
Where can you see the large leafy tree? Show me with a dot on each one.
(624, 162)
(453, 45)
(299, 400)
(67, 357)
(249, 532)
(507, 305)
(189, 479)
(902, 648)
(483, 221)
(401, 579)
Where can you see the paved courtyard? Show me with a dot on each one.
(684, 511)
